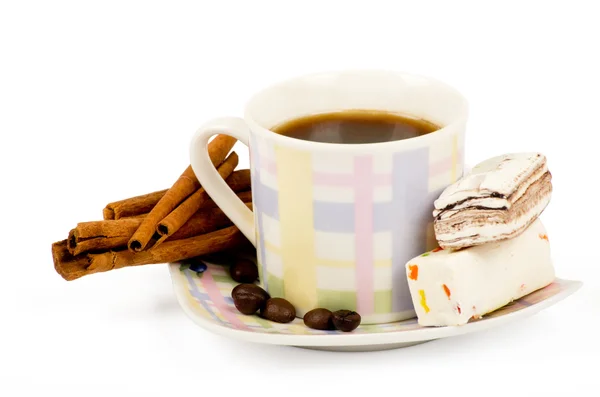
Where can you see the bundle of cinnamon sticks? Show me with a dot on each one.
(160, 227)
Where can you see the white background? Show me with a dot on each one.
(98, 101)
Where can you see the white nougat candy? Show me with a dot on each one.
(451, 287)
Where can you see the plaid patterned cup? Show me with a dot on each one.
(334, 224)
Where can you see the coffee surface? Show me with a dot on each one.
(355, 126)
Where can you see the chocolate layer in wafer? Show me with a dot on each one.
(496, 201)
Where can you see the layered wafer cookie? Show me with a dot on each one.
(496, 201)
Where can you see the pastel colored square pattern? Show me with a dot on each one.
(276, 288)
(382, 165)
(275, 263)
(337, 279)
(383, 301)
(271, 230)
(341, 226)
(382, 194)
(382, 245)
(382, 279)
(333, 194)
(336, 300)
(333, 217)
(214, 304)
(326, 163)
(222, 278)
(265, 150)
(335, 246)
(267, 178)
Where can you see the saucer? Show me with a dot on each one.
(206, 299)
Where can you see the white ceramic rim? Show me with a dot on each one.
(350, 339)
(399, 145)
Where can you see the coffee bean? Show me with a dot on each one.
(249, 298)
(319, 319)
(346, 320)
(278, 310)
(244, 271)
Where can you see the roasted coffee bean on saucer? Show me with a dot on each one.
(278, 310)
(243, 271)
(249, 298)
(346, 320)
(319, 319)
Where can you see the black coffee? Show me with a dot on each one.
(355, 126)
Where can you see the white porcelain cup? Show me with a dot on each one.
(335, 224)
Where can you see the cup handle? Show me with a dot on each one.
(209, 178)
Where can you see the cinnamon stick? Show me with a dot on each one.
(181, 189)
(132, 206)
(72, 267)
(172, 222)
(114, 234)
(101, 235)
(139, 206)
(201, 222)
(239, 180)
(134, 216)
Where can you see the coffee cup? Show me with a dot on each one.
(335, 224)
